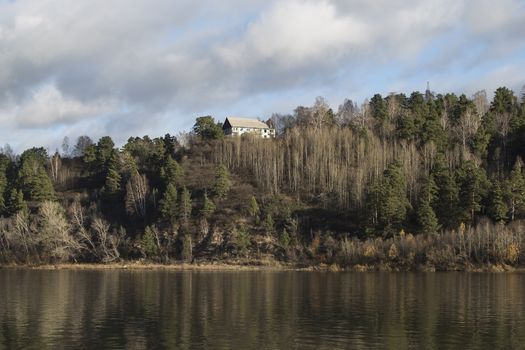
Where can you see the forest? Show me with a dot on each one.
(425, 180)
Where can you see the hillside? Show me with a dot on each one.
(403, 181)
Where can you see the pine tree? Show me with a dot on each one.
(185, 205)
(33, 178)
(105, 152)
(208, 207)
(446, 203)
(171, 172)
(15, 202)
(168, 205)
(387, 199)
(426, 217)
(284, 239)
(269, 224)
(515, 190)
(222, 182)
(112, 184)
(498, 209)
(148, 243)
(253, 208)
(473, 186)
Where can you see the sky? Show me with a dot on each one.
(150, 67)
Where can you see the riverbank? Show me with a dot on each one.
(259, 266)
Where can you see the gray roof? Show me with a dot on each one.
(246, 123)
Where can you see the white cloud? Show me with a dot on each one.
(48, 106)
(296, 32)
(116, 61)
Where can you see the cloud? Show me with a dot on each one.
(48, 107)
(127, 68)
(295, 33)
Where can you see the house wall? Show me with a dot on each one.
(262, 132)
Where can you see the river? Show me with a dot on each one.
(143, 309)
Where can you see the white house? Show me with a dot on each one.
(234, 126)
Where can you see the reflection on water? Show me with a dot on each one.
(263, 310)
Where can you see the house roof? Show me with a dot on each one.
(246, 122)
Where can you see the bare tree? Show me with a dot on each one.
(82, 143)
(481, 102)
(66, 148)
(56, 164)
(137, 190)
(108, 243)
(55, 232)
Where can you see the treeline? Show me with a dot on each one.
(418, 163)
(344, 187)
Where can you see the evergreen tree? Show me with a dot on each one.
(148, 243)
(426, 218)
(15, 202)
(208, 207)
(171, 172)
(222, 182)
(284, 239)
(89, 156)
(447, 197)
(269, 224)
(206, 128)
(112, 184)
(388, 200)
(253, 208)
(104, 151)
(168, 205)
(185, 205)
(515, 190)
(498, 209)
(473, 186)
(33, 178)
(380, 114)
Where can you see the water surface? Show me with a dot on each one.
(260, 310)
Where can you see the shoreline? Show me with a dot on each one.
(257, 266)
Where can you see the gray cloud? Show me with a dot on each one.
(130, 67)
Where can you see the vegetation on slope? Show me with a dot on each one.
(403, 181)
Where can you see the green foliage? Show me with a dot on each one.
(269, 224)
(168, 204)
(185, 205)
(387, 200)
(284, 239)
(171, 172)
(473, 186)
(32, 176)
(206, 128)
(222, 182)
(498, 209)
(323, 171)
(446, 202)
(208, 207)
(112, 184)
(426, 217)
(15, 202)
(104, 150)
(253, 208)
(147, 153)
(90, 157)
(515, 190)
(241, 239)
(148, 243)
(380, 114)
